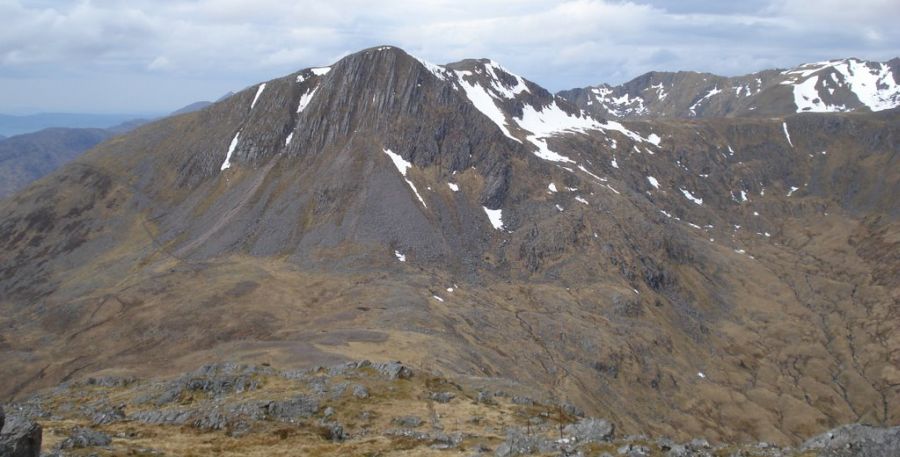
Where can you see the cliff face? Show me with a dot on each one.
(733, 278)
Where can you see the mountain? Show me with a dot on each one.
(196, 106)
(733, 278)
(17, 125)
(25, 158)
(834, 86)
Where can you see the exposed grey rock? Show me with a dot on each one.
(698, 443)
(297, 407)
(394, 370)
(360, 391)
(678, 450)
(442, 397)
(522, 400)
(856, 440)
(407, 433)
(334, 431)
(632, 450)
(20, 438)
(108, 416)
(485, 397)
(85, 437)
(520, 443)
(590, 430)
(446, 441)
(572, 410)
(407, 421)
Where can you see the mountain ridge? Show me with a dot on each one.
(352, 212)
(837, 85)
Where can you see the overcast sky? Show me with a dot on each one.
(153, 56)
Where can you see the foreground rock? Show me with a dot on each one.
(19, 437)
(856, 440)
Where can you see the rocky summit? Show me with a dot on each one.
(555, 278)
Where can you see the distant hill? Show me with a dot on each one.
(30, 156)
(196, 106)
(17, 125)
(25, 158)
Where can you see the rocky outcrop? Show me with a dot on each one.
(19, 437)
(856, 440)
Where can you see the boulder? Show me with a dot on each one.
(590, 430)
(85, 437)
(20, 438)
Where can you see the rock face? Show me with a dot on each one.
(856, 440)
(462, 218)
(19, 437)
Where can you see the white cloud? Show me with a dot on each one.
(557, 44)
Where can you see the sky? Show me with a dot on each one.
(154, 56)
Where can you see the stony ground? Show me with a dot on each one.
(358, 408)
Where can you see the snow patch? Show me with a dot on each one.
(403, 166)
(787, 134)
(290, 137)
(320, 71)
(234, 142)
(306, 98)
(581, 200)
(495, 216)
(551, 187)
(259, 92)
(691, 197)
(653, 181)
(453, 187)
(484, 102)
(400, 256)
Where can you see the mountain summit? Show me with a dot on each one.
(733, 278)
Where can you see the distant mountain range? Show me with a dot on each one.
(24, 158)
(27, 157)
(17, 125)
(841, 85)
